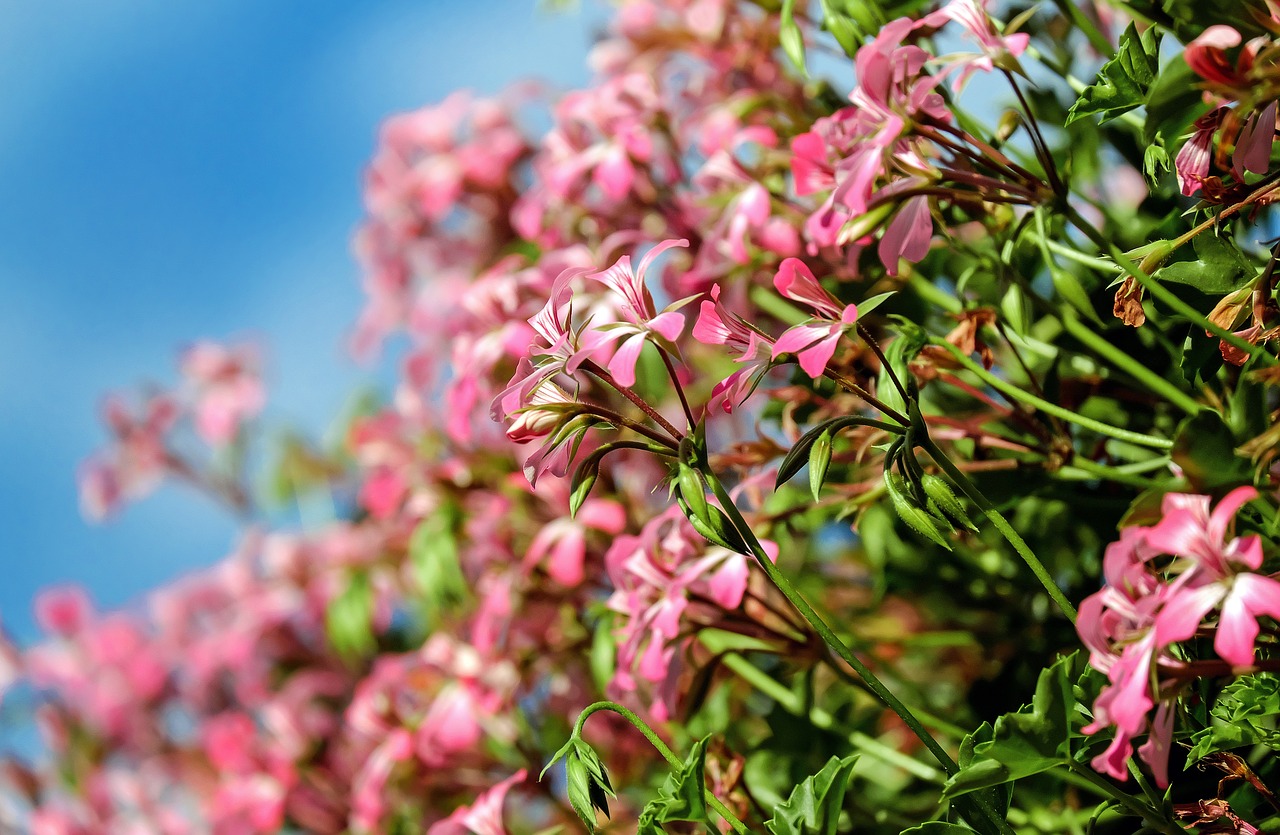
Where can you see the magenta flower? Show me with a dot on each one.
(226, 388)
(814, 342)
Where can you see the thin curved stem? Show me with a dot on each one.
(662, 748)
(884, 361)
(638, 428)
(675, 383)
(1052, 408)
(1098, 344)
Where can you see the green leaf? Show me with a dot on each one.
(349, 619)
(433, 553)
(1173, 103)
(1244, 714)
(1123, 82)
(819, 460)
(814, 806)
(1032, 740)
(790, 36)
(1218, 267)
(872, 302)
(683, 795)
(938, 828)
(1205, 448)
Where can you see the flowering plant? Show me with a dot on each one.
(990, 276)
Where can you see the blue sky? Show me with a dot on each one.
(176, 171)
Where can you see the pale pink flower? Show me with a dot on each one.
(226, 387)
(561, 545)
(1132, 622)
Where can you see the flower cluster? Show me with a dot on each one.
(1151, 604)
(717, 268)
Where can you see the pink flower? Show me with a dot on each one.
(1253, 146)
(1192, 161)
(1206, 55)
(63, 611)
(562, 543)
(813, 343)
(640, 320)
(717, 325)
(1144, 610)
(226, 387)
(484, 817)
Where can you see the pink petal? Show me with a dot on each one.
(603, 515)
(1251, 596)
(795, 280)
(814, 359)
(623, 364)
(1253, 150)
(615, 173)
(710, 329)
(728, 584)
(908, 234)
(1155, 751)
(795, 339)
(655, 251)
(669, 325)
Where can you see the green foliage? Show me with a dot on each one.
(814, 806)
(1217, 268)
(349, 619)
(1204, 448)
(1244, 714)
(1123, 82)
(682, 797)
(1030, 741)
(433, 552)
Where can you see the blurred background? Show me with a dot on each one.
(177, 171)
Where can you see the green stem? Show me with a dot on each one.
(1095, 263)
(793, 704)
(842, 649)
(1159, 292)
(1127, 364)
(667, 754)
(1135, 807)
(1051, 408)
(999, 522)
(1082, 468)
